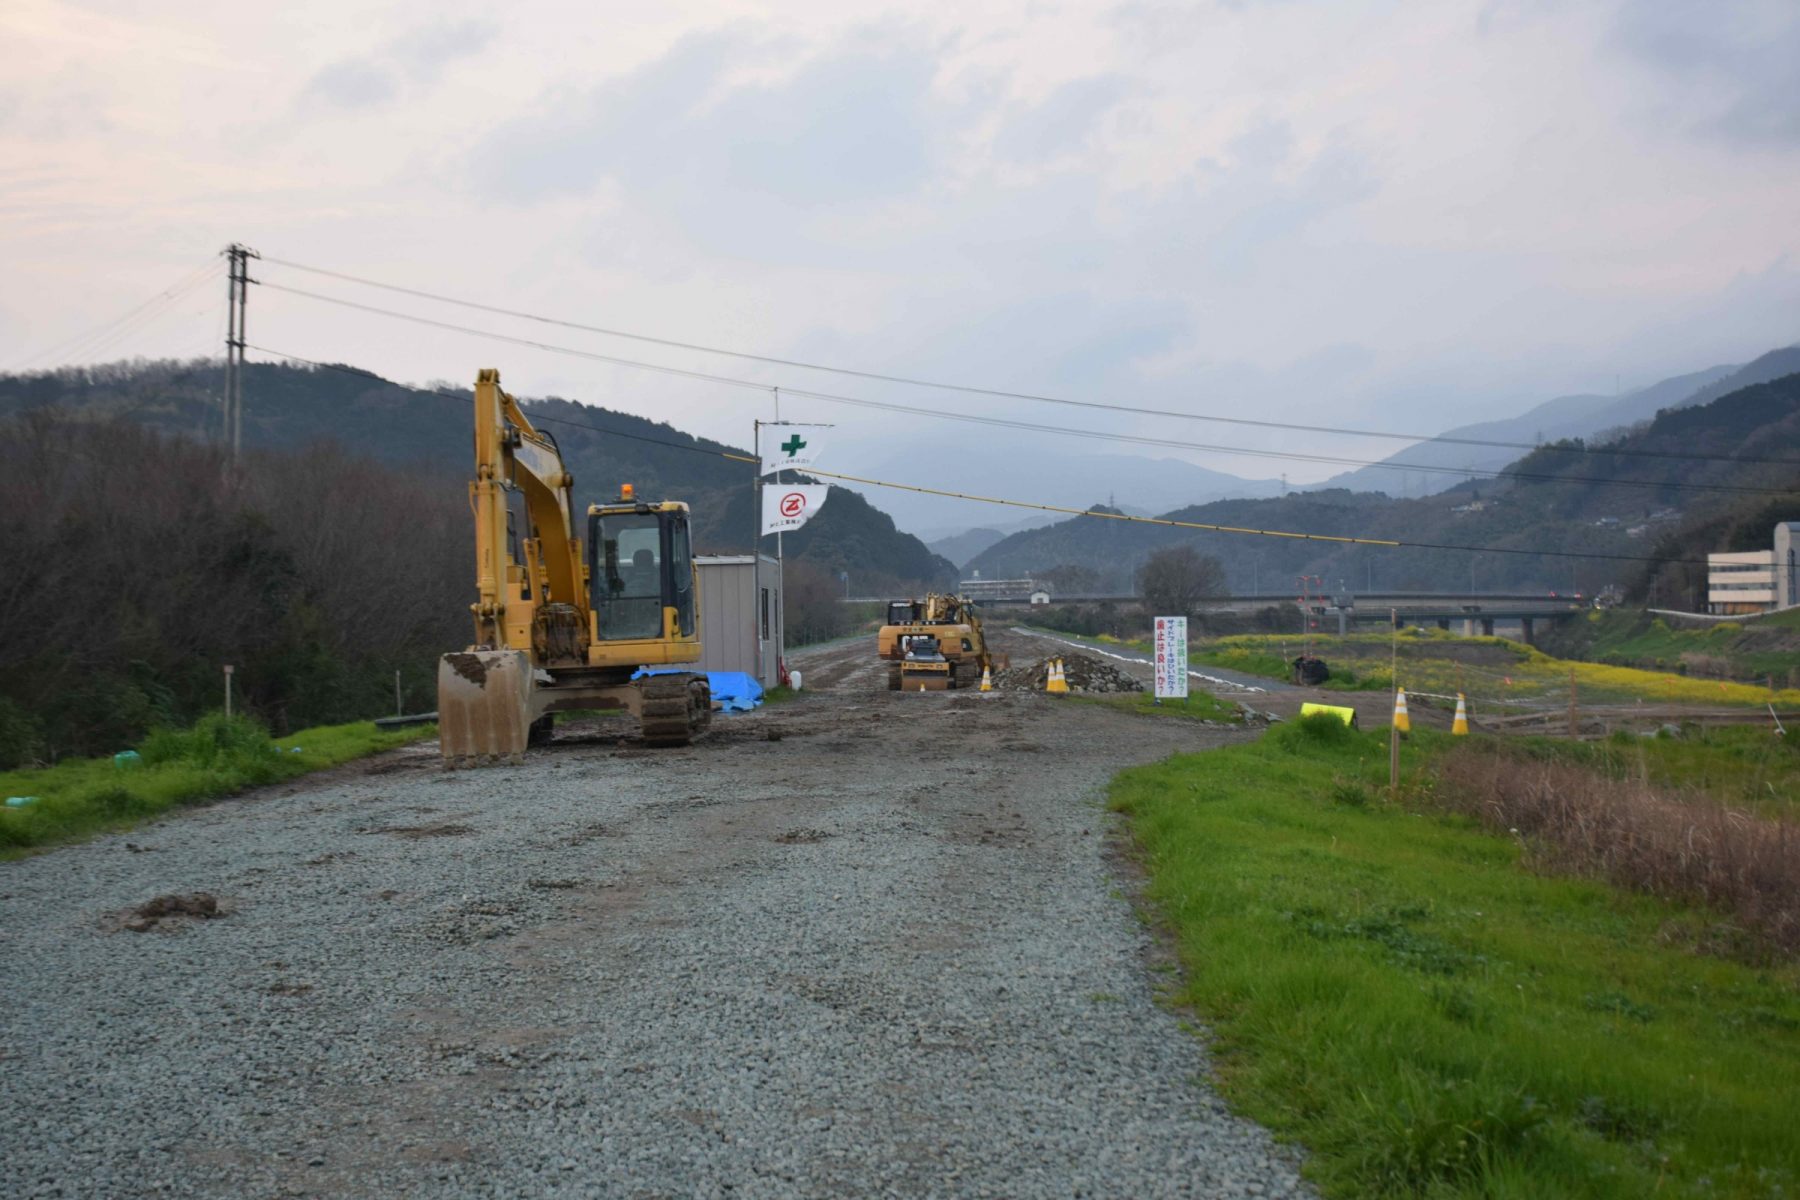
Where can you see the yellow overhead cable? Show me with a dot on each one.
(1084, 512)
(1056, 508)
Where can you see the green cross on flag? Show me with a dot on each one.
(791, 447)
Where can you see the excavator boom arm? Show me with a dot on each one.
(510, 451)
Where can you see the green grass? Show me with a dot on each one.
(78, 798)
(1493, 671)
(1393, 990)
(1262, 659)
(1197, 706)
(1752, 650)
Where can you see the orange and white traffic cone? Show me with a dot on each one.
(1402, 722)
(1461, 724)
(1056, 685)
(987, 680)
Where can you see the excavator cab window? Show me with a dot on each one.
(681, 573)
(627, 575)
(902, 612)
(641, 564)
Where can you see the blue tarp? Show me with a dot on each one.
(736, 691)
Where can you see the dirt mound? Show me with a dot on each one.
(1084, 673)
(148, 915)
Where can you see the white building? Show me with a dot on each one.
(1742, 582)
(1754, 581)
(1787, 564)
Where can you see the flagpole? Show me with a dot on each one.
(756, 517)
(780, 563)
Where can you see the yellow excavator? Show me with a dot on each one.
(566, 628)
(935, 644)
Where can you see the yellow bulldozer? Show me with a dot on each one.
(935, 644)
(561, 624)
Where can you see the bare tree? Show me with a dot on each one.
(812, 605)
(1173, 581)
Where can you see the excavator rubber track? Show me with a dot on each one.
(677, 708)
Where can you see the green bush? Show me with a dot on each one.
(21, 737)
(214, 741)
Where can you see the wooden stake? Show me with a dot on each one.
(1393, 725)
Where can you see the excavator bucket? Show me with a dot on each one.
(484, 706)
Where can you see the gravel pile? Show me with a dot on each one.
(1084, 673)
(874, 957)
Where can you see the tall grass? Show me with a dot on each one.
(1667, 844)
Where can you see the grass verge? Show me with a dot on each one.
(1497, 671)
(1395, 991)
(1197, 706)
(78, 798)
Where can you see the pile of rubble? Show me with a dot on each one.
(1084, 673)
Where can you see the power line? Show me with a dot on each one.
(998, 393)
(110, 332)
(731, 381)
(1166, 522)
(1311, 537)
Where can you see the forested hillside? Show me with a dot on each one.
(291, 407)
(1559, 497)
(339, 552)
(139, 566)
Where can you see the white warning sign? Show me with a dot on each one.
(1171, 658)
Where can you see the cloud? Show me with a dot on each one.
(846, 127)
(350, 83)
(1726, 69)
(419, 54)
(424, 52)
(1063, 122)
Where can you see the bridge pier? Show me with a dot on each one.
(1468, 627)
(1444, 624)
(1487, 627)
(1526, 628)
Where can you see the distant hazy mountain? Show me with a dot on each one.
(961, 547)
(1616, 507)
(1069, 478)
(1563, 417)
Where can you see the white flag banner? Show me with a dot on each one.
(790, 447)
(788, 506)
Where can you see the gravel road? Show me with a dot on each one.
(863, 943)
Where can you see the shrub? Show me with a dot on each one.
(214, 742)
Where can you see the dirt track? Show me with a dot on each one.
(859, 943)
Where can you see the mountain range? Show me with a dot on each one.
(1580, 416)
(1615, 501)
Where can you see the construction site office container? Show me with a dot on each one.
(740, 629)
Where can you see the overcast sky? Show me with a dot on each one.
(1396, 215)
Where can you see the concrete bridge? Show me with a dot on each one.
(1478, 612)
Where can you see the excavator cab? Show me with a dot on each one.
(640, 571)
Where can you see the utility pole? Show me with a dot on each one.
(237, 295)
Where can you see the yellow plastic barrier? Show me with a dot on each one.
(1346, 715)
